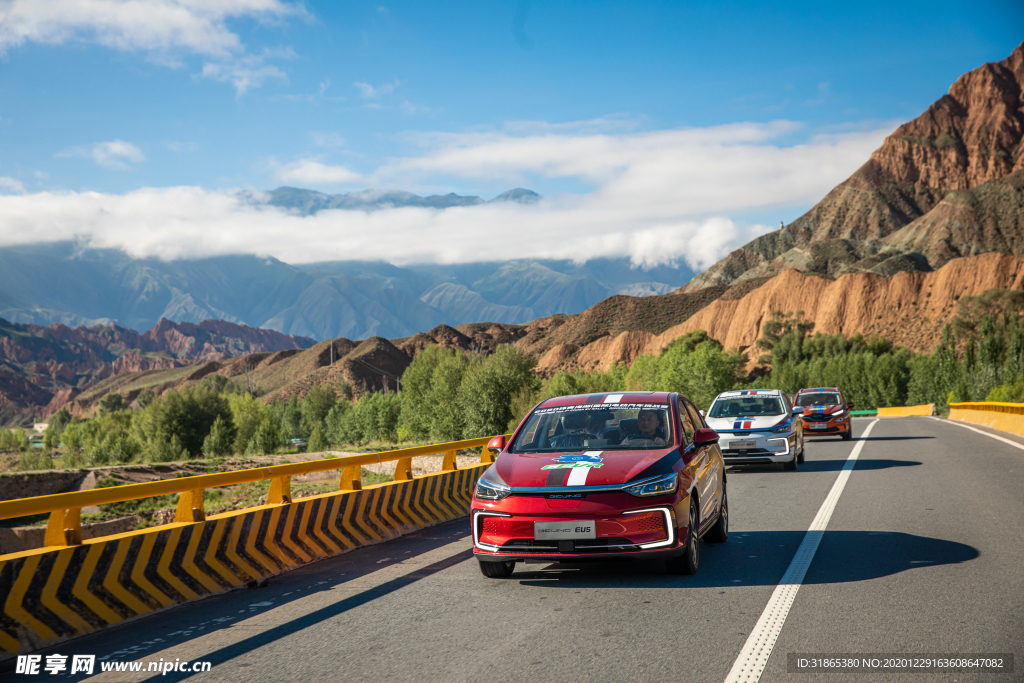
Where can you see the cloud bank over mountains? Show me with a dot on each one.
(656, 197)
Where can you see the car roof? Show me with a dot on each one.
(750, 392)
(610, 398)
(818, 390)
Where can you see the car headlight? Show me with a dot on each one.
(659, 486)
(783, 427)
(841, 413)
(489, 490)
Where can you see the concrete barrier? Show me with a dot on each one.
(907, 411)
(1006, 417)
(75, 586)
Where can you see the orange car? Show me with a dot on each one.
(824, 411)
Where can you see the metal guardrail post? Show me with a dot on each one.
(190, 506)
(486, 456)
(280, 492)
(403, 470)
(449, 464)
(64, 528)
(351, 479)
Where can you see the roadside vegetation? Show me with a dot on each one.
(449, 395)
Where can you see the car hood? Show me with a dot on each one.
(730, 424)
(583, 468)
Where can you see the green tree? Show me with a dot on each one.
(145, 397)
(220, 440)
(418, 407)
(111, 403)
(488, 387)
(188, 414)
(317, 441)
(316, 405)
(250, 417)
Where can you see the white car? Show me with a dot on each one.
(757, 427)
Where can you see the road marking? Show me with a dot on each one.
(993, 436)
(758, 648)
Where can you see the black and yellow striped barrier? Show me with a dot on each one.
(69, 587)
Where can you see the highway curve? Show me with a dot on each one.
(924, 553)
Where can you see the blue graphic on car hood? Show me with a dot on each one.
(579, 457)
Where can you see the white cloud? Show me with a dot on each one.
(659, 197)
(179, 146)
(245, 72)
(313, 172)
(112, 154)
(165, 29)
(369, 92)
(326, 138)
(14, 185)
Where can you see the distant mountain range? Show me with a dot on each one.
(307, 202)
(62, 282)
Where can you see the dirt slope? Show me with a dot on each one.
(908, 308)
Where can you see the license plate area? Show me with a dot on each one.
(819, 426)
(740, 445)
(564, 531)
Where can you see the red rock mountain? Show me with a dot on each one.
(42, 368)
(950, 183)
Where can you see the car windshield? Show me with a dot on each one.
(746, 406)
(624, 426)
(817, 399)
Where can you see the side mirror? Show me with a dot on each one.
(705, 436)
(798, 410)
(496, 445)
(850, 404)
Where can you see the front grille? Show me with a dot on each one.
(583, 545)
(729, 453)
(817, 418)
(491, 525)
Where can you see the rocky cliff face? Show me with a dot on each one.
(944, 185)
(907, 308)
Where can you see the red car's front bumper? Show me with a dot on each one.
(624, 526)
(817, 427)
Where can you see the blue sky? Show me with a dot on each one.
(109, 106)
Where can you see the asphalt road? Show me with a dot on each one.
(924, 554)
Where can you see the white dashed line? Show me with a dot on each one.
(758, 648)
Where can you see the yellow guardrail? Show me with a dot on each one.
(907, 411)
(1007, 417)
(64, 525)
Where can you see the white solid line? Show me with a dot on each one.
(993, 436)
(755, 653)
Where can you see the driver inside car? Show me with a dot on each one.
(649, 424)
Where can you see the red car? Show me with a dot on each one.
(824, 411)
(600, 477)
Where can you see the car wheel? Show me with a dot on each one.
(687, 563)
(792, 464)
(847, 435)
(719, 533)
(803, 448)
(497, 570)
